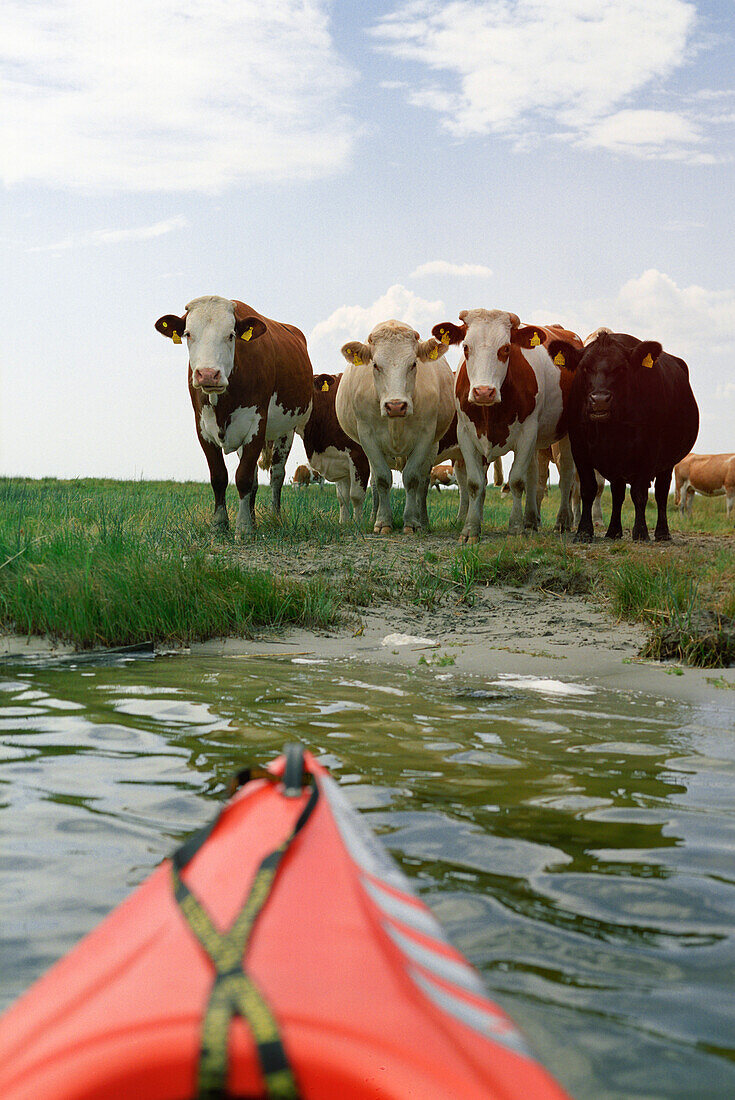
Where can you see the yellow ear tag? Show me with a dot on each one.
(175, 337)
(325, 387)
(356, 358)
(164, 324)
(445, 336)
(247, 333)
(559, 359)
(535, 340)
(648, 361)
(434, 353)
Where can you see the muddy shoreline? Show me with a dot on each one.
(506, 632)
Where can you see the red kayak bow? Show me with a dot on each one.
(279, 953)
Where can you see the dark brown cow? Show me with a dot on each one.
(632, 416)
(250, 383)
(332, 453)
(509, 397)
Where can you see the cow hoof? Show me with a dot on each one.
(408, 530)
(613, 535)
(662, 536)
(641, 536)
(469, 540)
(383, 529)
(583, 536)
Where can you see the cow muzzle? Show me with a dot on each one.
(599, 405)
(209, 379)
(395, 408)
(484, 395)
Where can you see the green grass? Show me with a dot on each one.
(110, 563)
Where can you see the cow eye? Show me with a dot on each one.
(466, 350)
(377, 368)
(187, 334)
(413, 365)
(231, 336)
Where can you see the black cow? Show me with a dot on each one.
(632, 416)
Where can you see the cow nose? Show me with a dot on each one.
(484, 395)
(600, 401)
(207, 377)
(396, 408)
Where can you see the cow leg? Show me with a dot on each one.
(661, 493)
(576, 499)
(246, 479)
(498, 472)
(343, 496)
(416, 474)
(532, 515)
(615, 528)
(587, 487)
(476, 475)
(684, 489)
(380, 480)
(281, 449)
(218, 479)
(565, 516)
(358, 486)
(597, 517)
(543, 457)
(639, 496)
(524, 454)
(460, 472)
(424, 502)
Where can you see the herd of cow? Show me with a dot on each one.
(613, 407)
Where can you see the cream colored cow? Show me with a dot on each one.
(710, 475)
(396, 399)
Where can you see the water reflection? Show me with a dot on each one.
(576, 843)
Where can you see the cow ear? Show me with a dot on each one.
(447, 333)
(564, 354)
(527, 337)
(250, 328)
(172, 326)
(645, 354)
(356, 352)
(324, 382)
(431, 349)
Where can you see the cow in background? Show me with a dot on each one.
(710, 475)
(509, 396)
(333, 454)
(395, 400)
(250, 383)
(632, 416)
(442, 476)
(304, 476)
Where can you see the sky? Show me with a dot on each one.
(338, 164)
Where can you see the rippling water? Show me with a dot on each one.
(577, 844)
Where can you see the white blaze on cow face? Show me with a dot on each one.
(486, 350)
(210, 335)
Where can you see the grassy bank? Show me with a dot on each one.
(110, 563)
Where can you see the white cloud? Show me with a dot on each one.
(114, 236)
(443, 267)
(152, 97)
(356, 323)
(524, 67)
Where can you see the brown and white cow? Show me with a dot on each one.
(442, 476)
(250, 383)
(304, 476)
(510, 396)
(332, 453)
(709, 475)
(395, 400)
